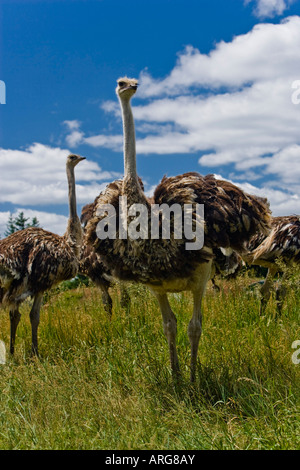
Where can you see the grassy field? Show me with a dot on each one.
(103, 384)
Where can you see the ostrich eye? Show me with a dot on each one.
(121, 84)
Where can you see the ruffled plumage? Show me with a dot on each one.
(231, 218)
(31, 261)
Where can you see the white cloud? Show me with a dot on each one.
(3, 221)
(37, 176)
(75, 137)
(269, 50)
(285, 164)
(49, 221)
(72, 125)
(232, 106)
(113, 142)
(270, 8)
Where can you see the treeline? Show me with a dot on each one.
(19, 222)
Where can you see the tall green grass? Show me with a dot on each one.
(102, 384)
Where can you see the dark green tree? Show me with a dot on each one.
(10, 226)
(19, 223)
(34, 222)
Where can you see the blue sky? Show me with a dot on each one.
(215, 96)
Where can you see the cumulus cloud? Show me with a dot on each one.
(37, 176)
(49, 221)
(233, 107)
(113, 142)
(285, 166)
(269, 8)
(3, 221)
(246, 118)
(75, 136)
(267, 51)
(72, 125)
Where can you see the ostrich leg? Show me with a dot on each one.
(195, 324)
(280, 296)
(14, 316)
(267, 288)
(125, 297)
(35, 320)
(106, 300)
(170, 330)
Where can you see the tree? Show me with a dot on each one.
(19, 223)
(34, 222)
(10, 226)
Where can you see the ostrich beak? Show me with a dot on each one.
(130, 87)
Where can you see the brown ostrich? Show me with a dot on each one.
(33, 260)
(166, 265)
(92, 266)
(282, 243)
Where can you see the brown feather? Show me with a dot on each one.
(226, 208)
(33, 260)
(282, 242)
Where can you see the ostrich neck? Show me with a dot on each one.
(129, 141)
(73, 234)
(131, 185)
(72, 193)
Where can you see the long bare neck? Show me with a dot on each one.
(74, 231)
(131, 185)
(72, 193)
(129, 140)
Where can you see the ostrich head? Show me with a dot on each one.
(73, 160)
(126, 87)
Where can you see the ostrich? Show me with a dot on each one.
(92, 266)
(33, 260)
(282, 243)
(165, 265)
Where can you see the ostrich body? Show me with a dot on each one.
(164, 265)
(33, 260)
(282, 243)
(92, 266)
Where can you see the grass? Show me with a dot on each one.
(103, 384)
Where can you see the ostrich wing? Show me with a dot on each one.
(283, 241)
(231, 216)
